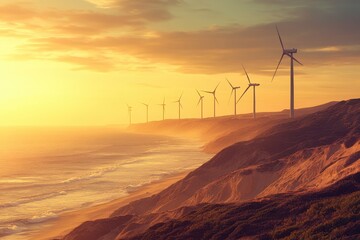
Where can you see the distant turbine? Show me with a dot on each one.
(129, 111)
(233, 89)
(201, 100)
(147, 111)
(215, 99)
(163, 107)
(289, 53)
(180, 105)
(254, 85)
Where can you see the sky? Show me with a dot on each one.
(80, 62)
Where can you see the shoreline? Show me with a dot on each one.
(67, 221)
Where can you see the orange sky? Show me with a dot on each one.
(77, 62)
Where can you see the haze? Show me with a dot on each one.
(77, 62)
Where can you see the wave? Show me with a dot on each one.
(42, 217)
(9, 230)
(32, 199)
(19, 225)
(100, 172)
(94, 174)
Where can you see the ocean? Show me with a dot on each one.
(45, 172)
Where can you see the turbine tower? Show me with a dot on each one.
(215, 99)
(129, 111)
(254, 85)
(180, 105)
(163, 107)
(147, 111)
(290, 53)
(201, 100)
(233, 90)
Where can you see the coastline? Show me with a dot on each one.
(66, 222)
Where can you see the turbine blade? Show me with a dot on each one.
(297, 61)
(281, 42)
(198, 102)
(232, 90)
(216, 99)
(247, 75)
(181, 96)
(243, 93)
(198, 93)
(216, 87)
(230, 83)
(208, 92)
(282, 56)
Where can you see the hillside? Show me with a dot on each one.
(306, 154)
(330, 213)
(315, 145)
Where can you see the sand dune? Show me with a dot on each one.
(305, 154)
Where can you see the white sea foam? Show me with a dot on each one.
(32, 199)
(45, 216)
(93, 174)
(9, 229)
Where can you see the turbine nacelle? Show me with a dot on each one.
(290, 51)
(254, 84)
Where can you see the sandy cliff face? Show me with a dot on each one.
(306, 154)
(302, 171)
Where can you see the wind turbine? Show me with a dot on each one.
(290, 53)
(201, 100)
(147, 111)
(180, 105)
(233, 89)
(163, 107)
(129, 111)
(254, 85)
(215, 99)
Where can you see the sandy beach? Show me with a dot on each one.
(68, 221)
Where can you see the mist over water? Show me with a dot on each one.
(47, 171)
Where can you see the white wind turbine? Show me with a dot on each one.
(289, 53)
(201, 100)
(233, 90)
(147, 111)
(254, 85)
(163, 107)
(129, 111)
(180, 105)
(215, 99)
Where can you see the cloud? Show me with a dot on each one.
(98, 63)
(323, 35)
(130, 14)
(324, 49)
(150, 10)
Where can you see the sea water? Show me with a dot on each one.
(45, 172)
